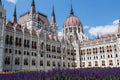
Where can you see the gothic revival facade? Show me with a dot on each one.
(32, 43)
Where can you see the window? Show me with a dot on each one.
(63, 64)
(11, 40)
(89, 64)
(25, 61)
(6, 50)
(110, 62)
(20, 42)
(53, 49)
(42, 46)
(70, 29)
(7, 60)
(7, 39)
(115, 48)
(19, 52)
(17, 61)
(58, 64)
(83, 64)
(103, 63)
(58, 50)
(10, 50)
(0, 14)
(54, 63)
(48, 63)
(68, 64)
(17, 42)
(116, 55)
(117, 62)
(82, 52)
(33, 62)
(41, 63)
(96, 63)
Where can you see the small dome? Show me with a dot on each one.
(72, 21)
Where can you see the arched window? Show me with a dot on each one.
(58, 64)
(17, 61)
(54, 63)
(116, 55)
(110, 62)
(11, 40)
(42, 46)
(115, 48)
(41, 63)
(7, 60)
(63, 50)
(48, 63)
(25, 43)
(33, 62)
(25, 61)
(110, 48)
(7, 39)
(83, 64)
(68, 64)
(89, 64)
(103, 63)
(63, 64)
(16, 41)
(20, 42)
(96, 63)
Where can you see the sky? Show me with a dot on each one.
(98, 17)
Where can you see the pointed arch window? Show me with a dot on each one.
(7, 60)
(25, 61)
(33, 62)
(17, 61)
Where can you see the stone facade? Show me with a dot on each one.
(32, 43)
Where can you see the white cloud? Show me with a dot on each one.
(59, 33)
(12, 1)
(86, 27)
(104, 30)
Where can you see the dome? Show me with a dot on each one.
(72, 21)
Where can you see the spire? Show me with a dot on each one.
(32, 9)
(119, 26)
(71, 11)
(0, 2)
(14, 20)
(53, 20)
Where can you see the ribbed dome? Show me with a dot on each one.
(72, 21)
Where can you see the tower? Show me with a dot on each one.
(2, 27)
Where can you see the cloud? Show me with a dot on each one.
(86, 27)
(59, 33)
(12, 1)
(104, 30)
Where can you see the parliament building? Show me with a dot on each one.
(32, 43)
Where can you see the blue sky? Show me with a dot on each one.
(92, 13)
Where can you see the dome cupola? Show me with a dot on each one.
(72, 20)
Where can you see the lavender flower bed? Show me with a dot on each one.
(66, 74)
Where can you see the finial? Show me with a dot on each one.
(33, 3)
(71, 11)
